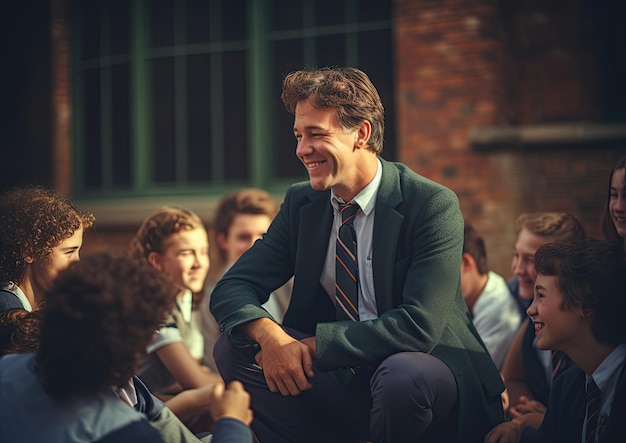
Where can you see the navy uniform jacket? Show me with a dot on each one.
(417, 245)
(563, 422)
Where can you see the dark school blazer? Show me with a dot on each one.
(417, 245)
(563, 422)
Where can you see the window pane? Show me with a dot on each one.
(287, 58)
(286, 14)
(163, 142)
(329, 12)
(92, 177)
(162, 24)
(331, 50)
(90, 29)
(121, 129)
(120, 22)
(234, 20)
(235, 117)
(374, 10)
(197, 21)
(199, 118)
(376, 60)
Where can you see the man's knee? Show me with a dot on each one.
(222, 353)
(417, 377)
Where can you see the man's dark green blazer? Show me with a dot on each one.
(417, 245)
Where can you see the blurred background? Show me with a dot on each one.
(128, 105)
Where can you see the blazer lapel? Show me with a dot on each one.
(387, 223)
(316, 221)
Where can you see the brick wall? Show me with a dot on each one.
(465, 64)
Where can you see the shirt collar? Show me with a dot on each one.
(366, 199)
(607, 369)
(15, 289)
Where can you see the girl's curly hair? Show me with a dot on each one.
(100, 316)
(160, 225)
(19, 331)
(33, 220)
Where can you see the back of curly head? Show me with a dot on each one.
(33, 220)
(348, 90)
(157, 227)
(99, 317)
(19, 331)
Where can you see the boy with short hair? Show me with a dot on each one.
(241, 218)
(494, 310)
(579, 308)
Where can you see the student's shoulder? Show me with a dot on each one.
(570, 380)
(140, 430)
(9, 300)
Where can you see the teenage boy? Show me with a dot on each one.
(578, 308)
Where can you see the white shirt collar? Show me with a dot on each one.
(366, 199)
(185, 304)
(609, 367)
(14, 289)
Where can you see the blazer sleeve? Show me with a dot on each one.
(266, 266)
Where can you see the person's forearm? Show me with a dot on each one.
(261, 330)
(187, 404)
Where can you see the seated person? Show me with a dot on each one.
(240, 219)
(104, 327)
(528, 371)
(41, 233)
(578, 308)
(614, 213)
(175, 242)
(494, 311)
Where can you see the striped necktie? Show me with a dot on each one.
(346, 268)
(593, 410)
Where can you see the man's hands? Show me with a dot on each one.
(286, 362)
(287, 365)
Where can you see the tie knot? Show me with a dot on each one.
(592, 388)
(348, 211)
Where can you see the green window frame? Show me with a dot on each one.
(183, 96)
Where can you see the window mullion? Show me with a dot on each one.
(142, 163)
(180, 97)
(260, 150)
(106, 104)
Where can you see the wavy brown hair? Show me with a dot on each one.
(100, 315)
(348, 90)
(591, 275)
(33, 220)
(242, 201)
(557, 226)
(157, 227)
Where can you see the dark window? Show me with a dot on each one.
(184, 95)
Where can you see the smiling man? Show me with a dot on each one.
(377, 343)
